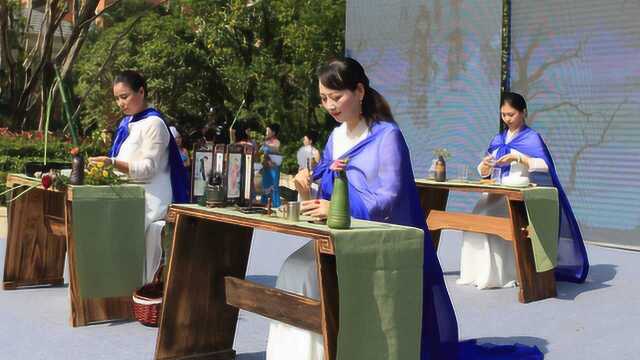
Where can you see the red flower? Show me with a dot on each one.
(46, 181)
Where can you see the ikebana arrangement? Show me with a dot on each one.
(92, 174)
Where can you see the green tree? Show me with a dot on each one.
(28, 64)
(268, 52)
(162, 46)
(211, 55)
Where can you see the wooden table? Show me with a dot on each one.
(205, 287)
(39, 234)
(433, 198)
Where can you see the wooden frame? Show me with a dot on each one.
(219, 152)
(200, 170)
(248, 191)
(234, 173)
(433, 198)
(205, 287)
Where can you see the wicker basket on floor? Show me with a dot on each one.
(147, 301)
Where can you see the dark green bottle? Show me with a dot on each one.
(339, 210)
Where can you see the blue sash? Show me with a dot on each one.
(178, 171)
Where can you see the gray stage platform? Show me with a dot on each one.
(595, 320)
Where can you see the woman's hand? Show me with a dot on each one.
(302, 181)
(338, 165)
(318, 209)
(100, 159)
(487, 163)
(507, 159)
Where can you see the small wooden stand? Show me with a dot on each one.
(39, 234)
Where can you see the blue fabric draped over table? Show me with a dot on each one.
(179, 176)
(381, 188)
(573, 264)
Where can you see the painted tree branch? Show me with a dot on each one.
(571, 184)
(557, 106)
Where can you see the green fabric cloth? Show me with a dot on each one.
(379, 270)
(542, 207)
(108, 229)
(544, 220)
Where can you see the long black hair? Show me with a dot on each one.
(133, 79)
(514, 100)
(345, 74)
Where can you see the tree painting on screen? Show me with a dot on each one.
(533, 82)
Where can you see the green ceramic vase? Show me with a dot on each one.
(339, 210)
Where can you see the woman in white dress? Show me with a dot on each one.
(381, 188)
(145, 150)
(487, 261)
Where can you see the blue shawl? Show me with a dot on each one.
(573, 264)
(382, 188)
(178, 171)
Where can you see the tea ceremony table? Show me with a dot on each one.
(534, 242)
(101, 227)
(358, 269)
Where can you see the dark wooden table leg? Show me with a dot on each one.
(196, 322)
(328, 280)
(533, 285)
(34, 254)
(433, 199)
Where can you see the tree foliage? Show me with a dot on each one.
(211, 55)
(28, 68)
(165, 49)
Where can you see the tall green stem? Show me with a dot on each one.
(66, 110)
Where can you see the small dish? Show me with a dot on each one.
(515, 181)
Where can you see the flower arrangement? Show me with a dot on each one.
(54, 179)
(438, 152)
(101, 174)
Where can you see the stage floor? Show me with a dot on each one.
(595, 320)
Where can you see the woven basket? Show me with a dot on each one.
(147, 301)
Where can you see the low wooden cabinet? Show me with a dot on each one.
(39, 234)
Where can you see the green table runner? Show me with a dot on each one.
(544, 221)
(543, 213)
(108, 229)
(379, 270)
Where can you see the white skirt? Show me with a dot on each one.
(487, 261)
(157, 197)
(298, 275)
(153, 249)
